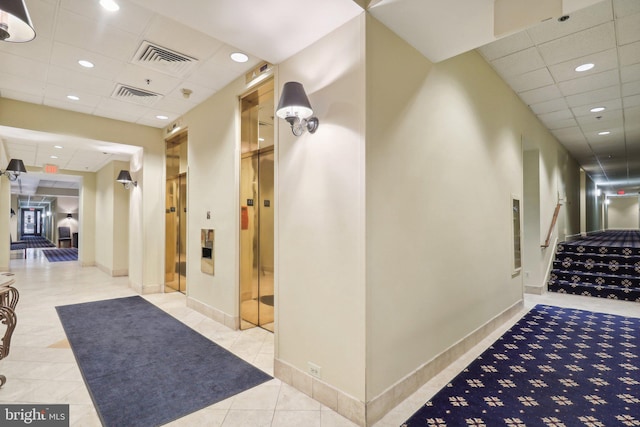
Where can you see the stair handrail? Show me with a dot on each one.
(553, 224)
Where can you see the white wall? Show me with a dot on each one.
(623, 213)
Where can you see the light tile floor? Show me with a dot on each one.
(41, 368)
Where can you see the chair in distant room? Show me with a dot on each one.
(19, 245)
(64, 235)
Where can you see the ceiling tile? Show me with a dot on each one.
(76, 30)
(593, 97)
(580, 44)
(632, 88)
(19, 84)
(506, 46)
(571, 135)
(626, 7)
(549, 106)
(79, 82)
(130, 18)
(629, 54)
(519, 62)
(532, 80)
(23, 67)
(612, 120)
(560, 124)
(38, 49)
(542, 94)
(67, 56)
(628, 29)
(605, 60)
(631, 101)
(590, 83)
(630, 73)
(21, 96)
(40, 12)
(632, 116)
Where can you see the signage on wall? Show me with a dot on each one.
(249, 202)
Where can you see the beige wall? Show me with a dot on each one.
(320, 295)
(623, 213)
(444, 157)
(112, 230)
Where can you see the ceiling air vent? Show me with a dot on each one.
(163, 59)
(135, 95)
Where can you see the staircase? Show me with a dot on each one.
(604, 266)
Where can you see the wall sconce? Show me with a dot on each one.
(124, 177)
(69, 216)
(294, 107)
(15, 23)
(13, 213)
(15, 167)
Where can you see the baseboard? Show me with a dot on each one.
(113, 273)
(379, 406)
(534, 289)
(219, 316)
(347, 406)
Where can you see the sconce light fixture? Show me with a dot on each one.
(14, 168)
(69, 216)
(15, 23)
(13, 213)
(124, 177)
(294, 107)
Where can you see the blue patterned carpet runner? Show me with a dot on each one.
(556, 367)
(64, 254)
(37, 242)
(606, 265)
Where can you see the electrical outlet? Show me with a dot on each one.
(315, 370)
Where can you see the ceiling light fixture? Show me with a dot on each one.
(110, 5)
(597, 109)
(162, 117)
(14, 169)
(85, 63)
(53, 157)
(57, 146)
(239, 57)
(73, 97)
(606, 132)
(584, 67)
(294, 107)
(15, 23)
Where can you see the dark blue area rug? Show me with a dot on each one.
(64, 254)
(37, 242)
(145, 368)
(556, 367)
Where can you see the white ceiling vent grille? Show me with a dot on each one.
(135, 95)
(162, 59)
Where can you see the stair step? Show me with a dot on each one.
(590, 266)
(601, 291)
(596, 278)
(596, 249)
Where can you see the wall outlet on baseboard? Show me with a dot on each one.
(314, 370)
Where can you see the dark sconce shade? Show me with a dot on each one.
(69, 216)
(15, 23)
(14, 169)
(124, 177)
(13, 213)
(294, 107)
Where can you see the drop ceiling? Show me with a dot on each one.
(535, 62)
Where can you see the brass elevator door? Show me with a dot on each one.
(175, 261)
(257, 209)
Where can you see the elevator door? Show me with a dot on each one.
(176, 230)
(256, 241)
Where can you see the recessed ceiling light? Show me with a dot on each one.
(597, 109)
(584, 67)
(73, 97)
(162, 117)
(53, 157)
(57, 146)
(85, 63)
(239, 57)
(606, 132)
(109, 5)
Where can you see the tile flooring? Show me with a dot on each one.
(41, 368)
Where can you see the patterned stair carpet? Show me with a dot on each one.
(555, 367)
(37, 242)
(606, 265)
(57, 255)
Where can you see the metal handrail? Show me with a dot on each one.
(553, 224)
